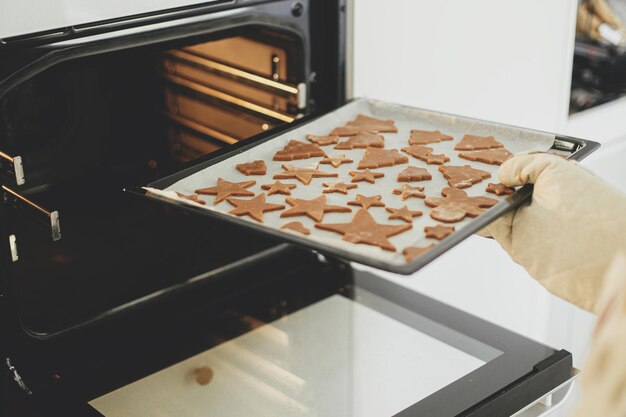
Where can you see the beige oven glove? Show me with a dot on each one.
(569, 233)
(603, 378)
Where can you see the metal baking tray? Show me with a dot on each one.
(204, 173)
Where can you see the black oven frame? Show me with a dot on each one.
(33, 364)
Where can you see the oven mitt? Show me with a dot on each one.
(604, 374)
(568, 235)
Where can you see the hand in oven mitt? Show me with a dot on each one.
(568, 235)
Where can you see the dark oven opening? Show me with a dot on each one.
(90, 126)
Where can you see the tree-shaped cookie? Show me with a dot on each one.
(463, 176)
(423, 137)
(412, 173)
(373, 124)
(488, 156)
(323, 140)
(314, 208)
(364, 229)
(426, 154)
(456, 204)
(298, 150)
(362, 140)
(474, 143)
(253, 168)
(378, 158)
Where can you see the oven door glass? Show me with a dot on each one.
(369, 349)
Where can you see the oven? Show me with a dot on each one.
(105, 295)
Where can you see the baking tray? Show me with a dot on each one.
(205, 173)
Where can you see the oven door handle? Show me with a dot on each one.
(12, 166)
(49, 220)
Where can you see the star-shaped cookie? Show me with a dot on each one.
(456, 204)
(407, 191)
(367, 202)
(254, 207)
(438, 232)
(338, 187)
(366, 175)
(225, 189)
(278, 188)
(303, 174)
(403, 213)
(364, 229)
(314, 208)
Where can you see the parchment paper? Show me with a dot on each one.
(406, 118)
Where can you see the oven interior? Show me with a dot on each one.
(89, 127)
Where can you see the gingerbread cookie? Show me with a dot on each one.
(426, 154)
(423, 137)
(225, 189)
(254, 207)
(194, 197)
(474, 143)
(403, 213)
(372, 124)
(488, 156)
(344, 131)
(413, 252)
(463, 176)
(407, 192)
(323, 140)
(438, 232)
(456, 205)
(412, 173)
(362, 140)
(337, 187)
(378, 158)
(336, 161)
(499, 189)
(303, 174)
(366, 175)
(364, 229)
(367, 202)
(298, 150)
(253, 168)
(278, 188)
(314, 208)
(296, 227)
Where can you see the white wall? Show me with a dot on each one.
(503, 60)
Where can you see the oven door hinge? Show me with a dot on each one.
(13, 248)
(12, 166)
(49, 220)
(14, 374)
